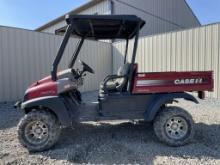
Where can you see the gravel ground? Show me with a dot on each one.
(120, 143)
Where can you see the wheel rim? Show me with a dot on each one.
(176, 127)
(36, 132)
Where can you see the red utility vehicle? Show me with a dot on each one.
(55, 100)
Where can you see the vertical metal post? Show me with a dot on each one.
(75, 54)
(133, 58)
(60, 52)
(126, 51)
(112, 7)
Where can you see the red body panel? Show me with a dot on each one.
(44, 80)
(160, 82)
(44, 87)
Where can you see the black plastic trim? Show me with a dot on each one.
(54, 103)
(163, 99)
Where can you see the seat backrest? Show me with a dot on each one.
(122, 71)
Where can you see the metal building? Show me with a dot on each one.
(160, 15)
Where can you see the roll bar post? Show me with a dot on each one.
(126, 51)
(133, 58)
(76, 52)
(60, 52)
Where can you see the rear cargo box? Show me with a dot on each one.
(159, 82)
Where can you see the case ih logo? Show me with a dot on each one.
(180, 81)
(188, 81)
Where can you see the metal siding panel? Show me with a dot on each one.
(2, 71)
(154, 53)
(26, 56)
(189, 50)
(217, 57)
(214, 59)
(144, 48)
(202, 47)
(159, 52)
(178, 53)
(149, 54)
(183, 58)
(4, 63)
(208, 51)
(173, 51)
(10, 54)
(168, 52)
(196, 50)
(7, 62)
(163, 53)
(16, 45)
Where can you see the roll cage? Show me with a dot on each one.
(99, 27)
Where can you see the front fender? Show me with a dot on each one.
(54, 103)
(163, 99)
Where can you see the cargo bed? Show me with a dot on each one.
(159, 82)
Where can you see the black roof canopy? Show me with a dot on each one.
(103, 26)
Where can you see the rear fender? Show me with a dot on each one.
(54, 103)
(163, 99)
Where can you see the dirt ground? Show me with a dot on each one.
(115, 142)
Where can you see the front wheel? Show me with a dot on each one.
(38, 130)
(174, 126)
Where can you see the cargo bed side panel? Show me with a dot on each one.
(159, 82)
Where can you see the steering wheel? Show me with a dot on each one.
(86, 67)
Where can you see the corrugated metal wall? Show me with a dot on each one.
(26, 56)
(193, 49)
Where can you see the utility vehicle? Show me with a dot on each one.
(55, 101)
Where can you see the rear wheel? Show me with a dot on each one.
(174, 126)
(38, 130)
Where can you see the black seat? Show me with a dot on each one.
(115, 83)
